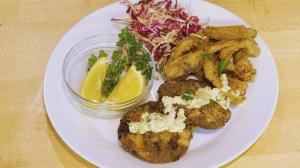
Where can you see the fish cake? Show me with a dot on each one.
(175, 88)
(210, 116)
(153, 147)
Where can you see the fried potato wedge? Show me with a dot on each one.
(210, 69)
(228, 48)
(241, 86)
(230, 32)
(183, 66)
(243, 67)
(183, 46)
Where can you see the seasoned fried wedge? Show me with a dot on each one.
(217, 46)
(241, 54)
(210, 69)
(183, 46)
(243, 67)
(183, 66)
(239, 85)
(152, 147)
(228, 48)
(230, 32)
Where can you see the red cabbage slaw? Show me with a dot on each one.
(159, 25)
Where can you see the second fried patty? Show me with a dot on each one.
(210, 116)
(152, 147)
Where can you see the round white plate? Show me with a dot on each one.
(96, 139)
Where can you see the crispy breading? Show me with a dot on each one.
(230, 32)
(183, 46)
(210, 116)
(210, 69)
(217, 46)
(237, 84)
(175, 88)
(241, 86)
(241, 54)
(231, 47)
(243, 67)
(196, 41)
(180, 66)
(152, 147)
(183, 66)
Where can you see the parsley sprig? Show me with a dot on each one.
(137, 55)
(113, 72)
(93, 58)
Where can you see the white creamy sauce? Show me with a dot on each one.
(157, 122)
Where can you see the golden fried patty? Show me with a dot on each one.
(175, 88)
(152, 147)
(210, 116)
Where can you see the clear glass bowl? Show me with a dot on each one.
(75, 70)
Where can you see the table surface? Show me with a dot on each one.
(29, 31)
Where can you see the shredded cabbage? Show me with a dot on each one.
(159, 25)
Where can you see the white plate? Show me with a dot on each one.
(96, 139)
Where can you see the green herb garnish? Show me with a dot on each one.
(200, 40)
(102, 53)
(113, 72)
(186, 95)
(206, 55)
(93, 58)
(136, 55)
(222, 66)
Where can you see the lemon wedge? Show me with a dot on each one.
(92, 85)
(129, 87)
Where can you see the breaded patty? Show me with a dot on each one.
(152, 147)
(210, 116)
(175, 88)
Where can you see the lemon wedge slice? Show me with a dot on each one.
(129, 87)
(92, 85)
